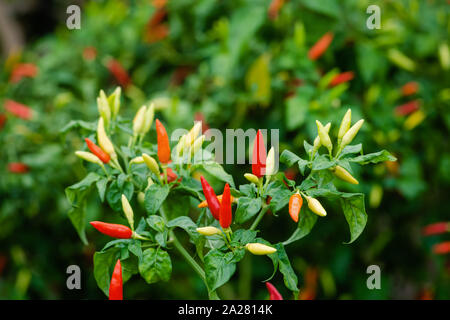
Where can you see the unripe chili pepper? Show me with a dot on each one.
(113, 230)
(114, 102)
(96, 150)
(128, 211)
(18, 167)
(259, 156)
(211, 198)
(193, 133)
(442, 248)
(89, 157)
(225, 215)
(104, 141)
(103, 107)
(410, 88)
(139, 121)
(351, 133)
(344, 175)
(341, 78)
(252, 178)
(414, 120)
(315, 206)
(118, 72)
(270, 162)
(259, 249)
(163, 143)
(345, 125)
(317, 144)
(137, 160)
(273, 292)
(319, 48)
(151, 163)
(436, 228)
(197, 145)
(22, 70)
(209, 231)
(324, 137)
(18, 109)
(149, 115)
(116, 284)
(407, 108)
(204, 204)
(295, 204)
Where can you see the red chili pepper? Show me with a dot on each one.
(163, 143)
(113, 230)
(171, 175)
(259, 156)
(442, 248)
(225, 216)
(295, 204)
(102, 155)
(22, 70)
(341, 78)
(156, 30)
(410, 88)
(116, 284)
(436, 228)
(200, 117)
(118, 72)
(19, 110)
(319, 48)
(274, 8)
(407, 108)
(18, 167)
(211, 198)
(273, 292)
(3, 119)
(89, 53)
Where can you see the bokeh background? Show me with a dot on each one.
(233, 64)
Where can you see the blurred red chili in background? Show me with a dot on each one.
(442, 248)
(155, 29)
(23, 70)
(341, 78)
(407, 108)
(119, 72)
(89, 53)
(3, 119)
(274, 8)
(410, 88)
(436, 228)
(18, 167)
(319, 48)
(18, 109)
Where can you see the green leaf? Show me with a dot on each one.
(156, 223)
(129, 267)
(306, 222)
(155, 265)
(76, 194)
(280, 196)
(247, 208)
(289, 158)
(242, 237)
(296, 111)
(114, 194)
(374, 157)
(308, 147)
(217, 270)
(258, 79)
(190, 227)
(90, 126)
(217, 171)
(177, 204)
(154, 197)
(355, 213)
(104, 262)
(351, 149)
(322, 162)
(289, 276)
(101, 187)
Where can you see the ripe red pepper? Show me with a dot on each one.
(407, 108)
(319, 48)
(113, 230)
(89, 53)
(171, 176)
(3, 119)
(295, 204)
(163, 143)
(211, 198)
(273, 292)
(274, 8)
(18, 167)
(225, 215)
(200, 117)
(341, 78)
(436, 228)
(102, 155)
(116, 284)
(19, 110)
(442, 248)
(22, 70)
(118, 72)
(259, 156)
(156, 29)
(410, 88)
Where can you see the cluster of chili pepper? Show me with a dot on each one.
(436, 229)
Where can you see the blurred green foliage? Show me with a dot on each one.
(241, 69)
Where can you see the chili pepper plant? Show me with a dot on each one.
(160, 191)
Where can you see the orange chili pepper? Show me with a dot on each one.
(319, 48)
(163, 143)
(295, 204)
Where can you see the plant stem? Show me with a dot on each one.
(260, 216)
